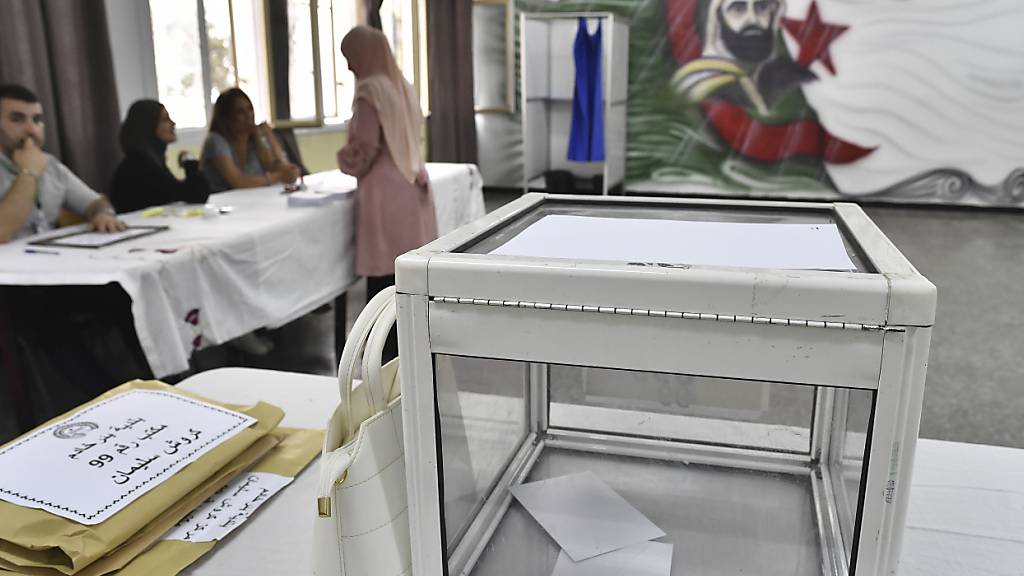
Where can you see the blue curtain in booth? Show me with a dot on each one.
(586, 136)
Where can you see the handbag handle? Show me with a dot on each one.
(355, 346)
(372, 356)
(334, 463)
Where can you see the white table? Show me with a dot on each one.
(966, 509)
(262, 265)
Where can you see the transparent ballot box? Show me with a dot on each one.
(745, 377)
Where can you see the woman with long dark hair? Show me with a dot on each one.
(239, 154)
(143, 179)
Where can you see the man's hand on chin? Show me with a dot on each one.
(106, 222)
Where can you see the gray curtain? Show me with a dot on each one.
(277, 24)
(60, 51)
(373, 13)
(451, 128)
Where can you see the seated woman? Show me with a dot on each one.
(238, 153)
(142, 178)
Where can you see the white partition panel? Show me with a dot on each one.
(562, 35)
(535, 58)
(615, 144)
(617, 81)
(536, 124)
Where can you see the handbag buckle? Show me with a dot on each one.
(323, 506)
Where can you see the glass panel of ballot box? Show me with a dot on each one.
(762, 418)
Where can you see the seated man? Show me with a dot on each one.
(34, 186)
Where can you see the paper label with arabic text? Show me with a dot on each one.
(91, 465)
(228, 508)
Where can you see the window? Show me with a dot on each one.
(338, 84)
(187, 85)
(232, 34)
(405, 25)
(179, 67)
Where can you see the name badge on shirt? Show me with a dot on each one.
(38, 220)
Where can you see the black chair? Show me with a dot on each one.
(66, 345)
(286, 136)
(565, 182)
(14, 388)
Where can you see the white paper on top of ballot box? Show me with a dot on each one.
(734, 244)
(644, 559)
(584, 515)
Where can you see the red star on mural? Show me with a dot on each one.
(814, 37)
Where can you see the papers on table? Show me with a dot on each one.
(733, 244)
(645, 559)
(335, 182)
(584, 515)
(228, 508)
(298, 199)
(322, 189)
(99, 239)
(89, 466)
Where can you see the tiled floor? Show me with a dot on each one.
(975, 386)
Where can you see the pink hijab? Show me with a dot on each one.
(381, 84)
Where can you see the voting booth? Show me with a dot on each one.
(661, 386)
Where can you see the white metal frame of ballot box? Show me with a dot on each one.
(837, 331)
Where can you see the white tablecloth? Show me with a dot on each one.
(966, 515)
(264, 264)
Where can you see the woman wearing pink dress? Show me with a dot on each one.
(393, 201)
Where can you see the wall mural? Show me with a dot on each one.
(910, 101)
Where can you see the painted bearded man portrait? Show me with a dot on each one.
(743, 59)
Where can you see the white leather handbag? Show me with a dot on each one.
(362, 526)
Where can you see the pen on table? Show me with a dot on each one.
(38, 251)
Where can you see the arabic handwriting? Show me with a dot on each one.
(153, 431)
(245, 486)
(172, 447)
(83, 448)
(122, 448)
(131, 423)
(140, 464)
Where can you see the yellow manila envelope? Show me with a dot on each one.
(170, 556)
(150, 534)
(33, 538)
